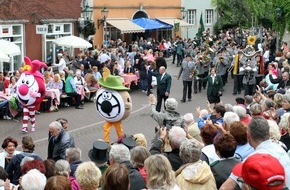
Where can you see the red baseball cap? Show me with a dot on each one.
(260, 171)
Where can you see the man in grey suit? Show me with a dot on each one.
(163, 86)
(186, 72)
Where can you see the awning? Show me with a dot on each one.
(150, 24)
(125, 25)
(172, 21)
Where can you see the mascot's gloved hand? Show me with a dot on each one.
(34, 94)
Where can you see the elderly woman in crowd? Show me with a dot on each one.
(242, 113)
(239, 131)
(138, 155)
(58, 182)
(33, 164)
(278, 99)
(9, 146)
(160, 174)
(14, 166)
(33, 180)
(140, 139)
(169, 117)
(208, 133)
(62, 167)
(256, 110)
(71, 89)
(116, 177)
(284, 129)
(194, 174)
(225, 147)
(88, 175)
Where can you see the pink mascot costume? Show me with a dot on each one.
(30, 91)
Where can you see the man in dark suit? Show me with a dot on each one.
(163, 86)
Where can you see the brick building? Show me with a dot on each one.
(18, 21)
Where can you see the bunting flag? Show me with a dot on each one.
(236, 65)
(262, 71)
(201, 28)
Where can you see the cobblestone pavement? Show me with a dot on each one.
(86, 125)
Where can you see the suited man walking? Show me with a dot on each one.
(163, 86)
(185, 72)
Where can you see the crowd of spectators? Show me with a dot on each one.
(215, 151)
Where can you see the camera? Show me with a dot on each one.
(213, 118)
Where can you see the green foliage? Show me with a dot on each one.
(239, 13)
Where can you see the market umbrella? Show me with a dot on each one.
(72, 41)
(9, 48)
(4, 57)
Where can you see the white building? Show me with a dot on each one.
(194, 10)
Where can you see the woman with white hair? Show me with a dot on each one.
(284, 129)
(167, 118)
(62, 167)
(242, 113)
(33, 180)
(275, 134)
(88, 175)
(195, 173)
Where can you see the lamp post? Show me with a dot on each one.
(279, 15)
(104, 13)
(85, 24)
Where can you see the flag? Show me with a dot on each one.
(200, 27)
(176, 27)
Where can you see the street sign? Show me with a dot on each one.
(41, 29)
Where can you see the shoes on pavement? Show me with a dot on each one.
(37, 112)
(79, 107)
(32, 129)
(195, 92)
(6, 117)
(189, 100)
(24, 130)
(182, 101)
(66, 104)
(52, 108)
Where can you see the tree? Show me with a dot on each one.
(235, 13)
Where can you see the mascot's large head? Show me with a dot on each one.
(30, 85)
(113, 102)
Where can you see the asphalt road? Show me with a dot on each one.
(86, 125)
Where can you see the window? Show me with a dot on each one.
(6, 30)
(191, 16)
(208, 16)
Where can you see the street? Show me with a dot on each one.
(86, 125)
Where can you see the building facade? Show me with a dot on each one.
(34, 24)
(120, 14)
(194, 10)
